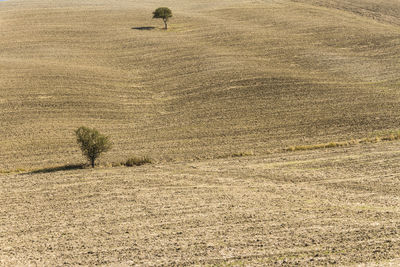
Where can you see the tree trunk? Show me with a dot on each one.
(165, 23)
(92, 162)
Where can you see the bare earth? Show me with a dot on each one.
(335, 206)
(338, 206)
(230, 77)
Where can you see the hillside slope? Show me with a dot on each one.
(227, 77)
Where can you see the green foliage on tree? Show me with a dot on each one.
(92, 143)
(163, 13)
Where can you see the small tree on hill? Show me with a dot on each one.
(92, 143)
(163, 13)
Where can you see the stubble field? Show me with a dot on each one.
(230, 77)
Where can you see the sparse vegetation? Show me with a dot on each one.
(395, 135)
(92, 143)
(18, 170)
(163, 13)
(137, 161)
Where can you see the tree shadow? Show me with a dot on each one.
(144, 28)
(58, 169)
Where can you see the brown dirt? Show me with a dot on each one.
(336, 206)
(228, 76)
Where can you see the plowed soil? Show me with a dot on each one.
(229, 78)
(337, 206)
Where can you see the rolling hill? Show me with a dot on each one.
(230, 78)
(227, 77)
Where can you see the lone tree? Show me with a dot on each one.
(163, 13)
(92, 143)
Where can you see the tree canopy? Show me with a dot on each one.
(163, 13)
(92, 143)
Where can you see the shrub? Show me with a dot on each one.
(92, 143)
(137, 161)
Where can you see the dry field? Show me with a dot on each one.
(313, 208)
(228, 77)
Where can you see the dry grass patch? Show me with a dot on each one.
(392, 136)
